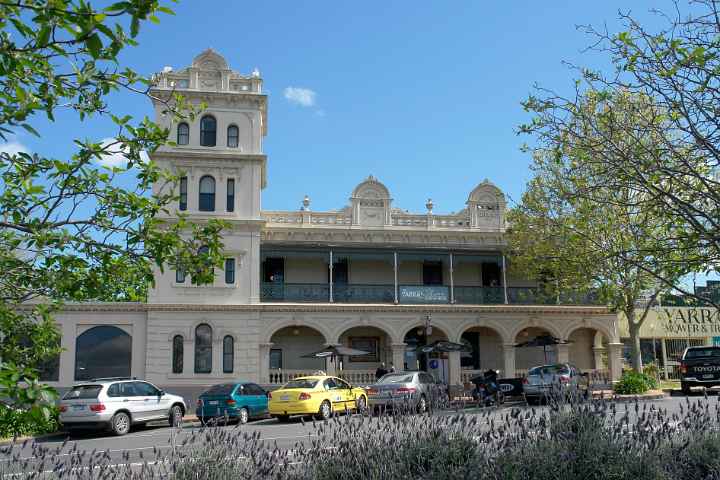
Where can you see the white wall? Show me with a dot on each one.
(580, 350)
(370, 272)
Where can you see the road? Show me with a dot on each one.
(143, 444)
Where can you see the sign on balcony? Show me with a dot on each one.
(424, 294)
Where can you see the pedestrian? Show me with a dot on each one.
(380, 371)
(392, 368)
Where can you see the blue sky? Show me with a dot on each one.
(425, 95)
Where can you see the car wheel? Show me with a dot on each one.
(361, 404)
(243, 416)
(422, 404)
(532, 400)
(176, 416)
(283, 418)
(325, 411)
(685, 388)
(120, 423)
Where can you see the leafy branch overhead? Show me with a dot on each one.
(67, 230)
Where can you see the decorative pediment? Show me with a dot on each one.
(210, 60)
(371, 188)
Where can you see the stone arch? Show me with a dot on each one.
(609, 332)
(583, 352)
(271, 329)
(486, 192)
(487, 343)
(412, 338)
(491, 324)
(528, 357)
(371, 337)
(196, 323)
(371, 188)
(209, 59)
(544, 325)
(338, 331)
(295, 341)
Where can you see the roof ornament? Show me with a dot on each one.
(429, 205)
(256, 73)
(306, 204)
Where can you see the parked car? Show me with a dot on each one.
(239, 401)
(559, 378)
(318, 395)
(414, 388)
(699, 367)
(117, 404)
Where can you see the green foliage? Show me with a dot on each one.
(68, 229)
(651, 370)
(632, 383)
(18, 423)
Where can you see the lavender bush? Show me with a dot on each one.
(568, 438)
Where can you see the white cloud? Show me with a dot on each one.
(117, 158)
(300, 96)
(13, 147)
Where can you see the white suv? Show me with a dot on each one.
(118, 403)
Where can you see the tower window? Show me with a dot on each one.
(183, 134)
(183, 193)
(179, 276)
(207, 194)
(233, 136)
(229, 271)
(178, 348)
(203, 348)
(231, 195)
(228, 354)
(208, 131)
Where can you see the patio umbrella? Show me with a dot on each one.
(333, 351)
(444, 346)
(544, 341)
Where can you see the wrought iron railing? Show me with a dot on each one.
(295, 292)
(363, 293)
(419, 294)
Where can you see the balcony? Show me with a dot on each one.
(417, 294)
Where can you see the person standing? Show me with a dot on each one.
(392, 368)
(380, 371)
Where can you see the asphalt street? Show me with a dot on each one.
(143, 444)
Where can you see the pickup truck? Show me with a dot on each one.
(700, 367)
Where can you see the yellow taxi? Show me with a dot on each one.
(318, 395)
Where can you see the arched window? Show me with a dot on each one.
(203, 348)
(183, 134)
(228, 354)
(230, 195)
(233, 136)
(103, 351)
(207, 194)
(177, 354)
(208, 131)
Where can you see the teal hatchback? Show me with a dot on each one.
(239, 401)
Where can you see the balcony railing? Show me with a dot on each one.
(419, 294)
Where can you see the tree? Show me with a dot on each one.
(581, 222)
(678, 69)
(68, 231)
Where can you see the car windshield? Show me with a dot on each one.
(301, 383)
(388, 379)
(549, 370)
(702, 352)
(222, 389)
(83, 391)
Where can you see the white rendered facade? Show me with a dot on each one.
(368, 275)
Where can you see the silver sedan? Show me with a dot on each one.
(546, 380)
(403, 389)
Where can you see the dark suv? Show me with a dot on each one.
(700, 367)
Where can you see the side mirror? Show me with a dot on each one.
(161, 393)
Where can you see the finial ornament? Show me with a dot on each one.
(306, 203)
(429, 205)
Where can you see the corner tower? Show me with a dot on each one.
(219, 157)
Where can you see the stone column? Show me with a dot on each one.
(615, 361)
(597, 355)
(563, 353)
(454, 377)
(398, 356)
(264, 363)
(509, 365)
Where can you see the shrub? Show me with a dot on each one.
(16, 422)
(633, 382)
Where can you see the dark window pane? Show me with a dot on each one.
(230, 195)
(230, 270)
(208, 131)
(228, 354)
(183, 134)
(203, 348)
(83, 391)
(273, 270)
(276, 359)
(491, 274)
(207, 194)
(143, 389)
(232, 136)
(432, 273)
(222, 389)
(183, 193)
(179, 276)
(178, 348)
(103, 351)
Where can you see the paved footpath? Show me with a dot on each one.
(141, 444)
